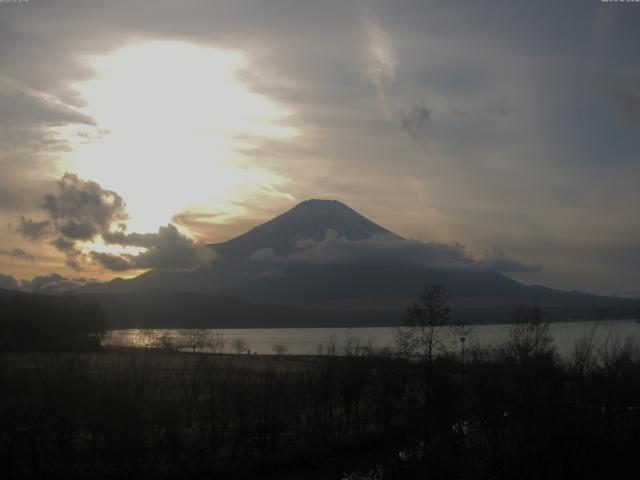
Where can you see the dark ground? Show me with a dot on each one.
(509, 413)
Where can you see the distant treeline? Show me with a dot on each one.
(175, 309)
(45, 323)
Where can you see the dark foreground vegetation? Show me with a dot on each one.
(516, 411)
(31, 322)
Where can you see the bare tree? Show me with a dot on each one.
(279, 349)
(427, 324)
(355, 347)
(196, 339)
(330, 348)
(217, 342)
(239, 345)
(529, 337)
(167, 342)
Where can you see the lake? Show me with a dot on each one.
(310, 341)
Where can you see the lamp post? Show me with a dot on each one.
(462, 340)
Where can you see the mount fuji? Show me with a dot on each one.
(324, 256)
(309, 221)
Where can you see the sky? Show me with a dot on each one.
(134, 132)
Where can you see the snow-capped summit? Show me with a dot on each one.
(310, 220)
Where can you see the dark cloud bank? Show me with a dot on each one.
(622, 89)
(18, 254)
(82, 211)
(51, 284)
(391, 250)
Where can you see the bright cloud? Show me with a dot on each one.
(173, 117)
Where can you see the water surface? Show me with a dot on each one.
(310, 341)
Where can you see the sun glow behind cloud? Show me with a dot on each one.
(172, 118)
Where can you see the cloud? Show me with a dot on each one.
(64, 244)
(497, 260)
(8, 282)
(82, 208)
(23, 106)
(83, 211)
(112, 262)
(200, 223)
(629, 293)
(73, 264)
(20, 254)
(416, 123)
(80, 211)
(389, 249)
(167, 249)
(622, 89)
(381, 57)
(52, 284)
(31, 122)
(78, 231)
(497, 107)
(33, 230)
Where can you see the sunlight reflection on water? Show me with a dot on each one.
(311, 341)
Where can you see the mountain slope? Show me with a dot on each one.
(5, 294)
(286, 278)
(174, 309)
(309, 220)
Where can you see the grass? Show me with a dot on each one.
(508, 412)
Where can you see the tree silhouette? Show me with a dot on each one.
(197, 339)
(530, 336)
(427, 323)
